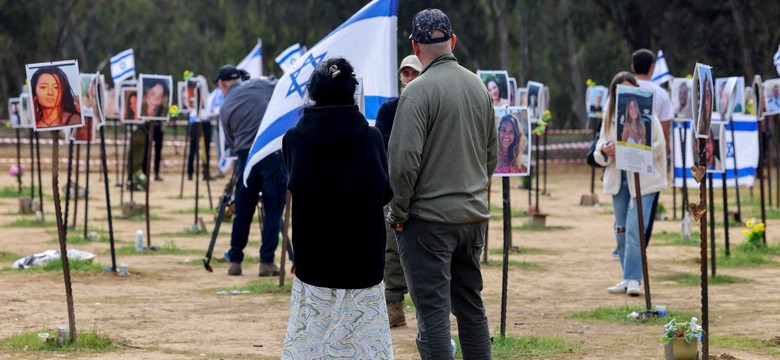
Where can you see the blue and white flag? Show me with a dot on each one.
(122, 66)
(660, 70)
(368, 41)
(746, 135)
(253, 63)
(777, 60)
(289, 56)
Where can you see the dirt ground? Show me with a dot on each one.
(167, 307)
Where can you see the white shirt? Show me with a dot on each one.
(662, 105)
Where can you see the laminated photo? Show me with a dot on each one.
(596, 100)
(715, 148)
(513, 101)
(535, 99)
(513, 127)
(703, 99)
(522, 97)
(197, 91)
(682, 99)
(184, 98)
(728, 98)
(497, 84)
(26, 116)
(129, 114)
(771, 97)
(154, 97)
(99, 106)
(88, 92)
(634, 119)
(720, 86)
(84, 134)
(14, 106)
(55, 92)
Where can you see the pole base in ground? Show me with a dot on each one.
(538, 220)
(131, 208)
(589, 200)
(26, 205)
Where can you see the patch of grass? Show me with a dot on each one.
(261, 287)
(620, 314)
(141, 216)
(7, 256)
(12, 192)
(408, 303)
(517, 264)
(184, 234)
(168, 248)
(90, 341)
(529, 227)
(739, 342)
(607, 212)
(526, 347)
(22, 222)
(76, 237)
(668, 238)
(520, 250)
(248, 260)
(189, 211)
(695, 280)
(743, 259)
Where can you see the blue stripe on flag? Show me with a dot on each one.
(123, 73)
(290, 53)
(372, 105)
(738, 125)
(121, 58)
(258, 53)
(661, 57)
(276, 129)
(378, 9)
(661, 76)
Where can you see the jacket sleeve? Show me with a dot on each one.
(404, 156)
(598, 155)
(492, 145)
(659, 144)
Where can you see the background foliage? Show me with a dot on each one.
(558, 42)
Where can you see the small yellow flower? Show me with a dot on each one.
(759, 227)
(689, 76)
(746, 232)
(750, 223)
(547, 112)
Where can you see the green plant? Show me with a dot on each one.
(682, 330)
(754, 236)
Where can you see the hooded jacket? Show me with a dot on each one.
(338, 179)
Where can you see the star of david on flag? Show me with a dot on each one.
(308, 66)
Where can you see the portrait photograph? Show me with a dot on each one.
(497, 84)
(84, 134)
(55, 92)
(681, 98)
(772, 97)
(197, 91)
(634, 119)
(119, 95)
(535, 94)
(128, 112)
(99, 106)
(514, 138)
(703, 97)
(13, 112)
(183, 97)
(154, 97)
(715, 148)
(522, 96)
(513, 92)
(26, 116)
(112, 106)
(88, 92)
(720, 99)
(596, 99)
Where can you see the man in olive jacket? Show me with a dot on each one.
(442, 154)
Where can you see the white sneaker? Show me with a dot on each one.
(633, 288)
(619, 288)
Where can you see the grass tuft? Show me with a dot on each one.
(22, 222)
(168, 248)
(695, 280)
(520, 250)
(260, 287)
(13, 192)
(529, 227)
(620, 314)
(90, 341)
(666, 238)
(56, 266)
(525, 347)
(517, 264)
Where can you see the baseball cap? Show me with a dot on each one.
(428, 21)
(411, 61)
(227, 72)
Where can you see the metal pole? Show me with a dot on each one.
(703, 254)
(148, 181)
(68, 184)
(507, 241)
(683, 146)
(184, 159)
(62, 237)
(711, 211)
(726, 215)
(124, 165)
(18, 162)
(674, 173)
(544, 191)
(642, 241)
(116, 152)
(40, 184)
(108, 195)
(736, 170)
(76, 190)
(198, 129)
(761, 169)
(90, 123)
(538, 168)
(32, 168)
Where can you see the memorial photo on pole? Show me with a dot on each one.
(129, 108)
(513, 101)
(55, 89)
(85, 134)
(14, 106)
(497, 83)
(595, 100)
(772, 97)
(155, 97)
(703, 98)
(535, 94)
(88, 94)
(715, 148)
(514, 139)
(720, 99)
(183, 97)
(99, 107)
(681, 98)
(634, 119)
(522, 96)
(26, 116)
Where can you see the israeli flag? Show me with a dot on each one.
(289, 56)
(123, 66)
(777, 60)
(661, 70)
(368, 41)
(253, 63)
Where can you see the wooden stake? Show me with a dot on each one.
(62, 236)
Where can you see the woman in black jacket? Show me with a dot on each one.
(338, 179)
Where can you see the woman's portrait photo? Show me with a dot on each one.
(194, 87)
(513, 92)
(84, 134)
(522, 96)
(772, 97)
(704, 94)
(497, 84)
(596, 97)
(13, 112)
(183, 97)
(55, 89)
(88, 94)
(514, 152)
(155, 97)
(721, 100)
(129, 114)
(634, 110)
(681, 98)
(534, 100)
(112, 105)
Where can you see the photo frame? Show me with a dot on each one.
(729, 98)
(703, 97)
(112, 105)
(197, 93)
(99, 109)
(757, 92)
(88, 93)
(715, 147)
(183, 97)
(682, 99)
(14, 108)
(771, 97)
(497, 84)
(129, 114)
(26, 116)
(55, 93)
(513, 100)
(513, 127)
(154, 97)
(634, 130)
(739, 104)
(522, 97)
(85, 134)
(535, 100)
(596, 100)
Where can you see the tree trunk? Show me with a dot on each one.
(575, 72)
(739, 27)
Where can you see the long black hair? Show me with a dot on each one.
(67, 99)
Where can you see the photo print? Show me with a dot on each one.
(129, 110)
(513, 101)
(84, 134)
(154, 97)
(634, 119)
(497, 84)
(703, 97)
(183, 98)
(197, 92)
(99, 106)
(88, 94)
(55, 93)
(715, 148)
(513, 127)
(681, 98)
(535, 95)
(596, 100)
(14, 107)
(771, 97)
(720, 86)
(26, 116)
(728, 98)
(522, 97)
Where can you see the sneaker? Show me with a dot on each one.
(633, 288)
(619, 288)
(235, 269)
(268, 270)
(615, 254)
(395, 313)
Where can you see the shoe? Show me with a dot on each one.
(235, 269)
(208, 178)
(268, 270)
(619, 288)
(158, 178)
(615, 254)
(395, 313)
(189, 177)
(633, 288)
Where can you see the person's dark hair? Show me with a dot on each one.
(642, 60)
(332, 83)
(620, 78)
(501, 89)
(67, 99)
(149, 83)
(130, 111)
(514, 148)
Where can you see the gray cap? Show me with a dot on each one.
(426, 22)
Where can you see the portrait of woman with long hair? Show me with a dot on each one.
(54, 102)
(634, 131)
(511, 143)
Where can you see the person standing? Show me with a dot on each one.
(395, 283)
(442, 154)
(240, 115)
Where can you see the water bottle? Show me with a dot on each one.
(139, 240)
(685, 227)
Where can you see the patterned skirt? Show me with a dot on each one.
(330, 323)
